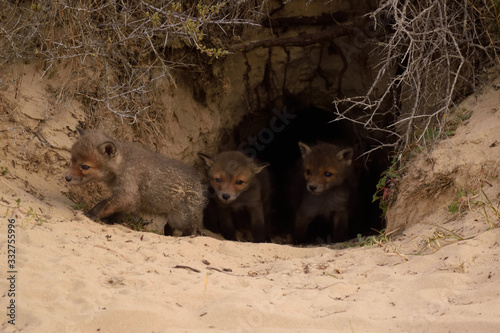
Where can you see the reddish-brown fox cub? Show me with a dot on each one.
(240, 185)
(329, 181)
(140, 180)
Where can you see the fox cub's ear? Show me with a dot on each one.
(208, 161)
(304, 149)
(345, 156)
(258, 168)
(107, 148)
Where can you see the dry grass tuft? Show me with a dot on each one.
(120, 50)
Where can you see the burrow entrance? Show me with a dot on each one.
(286, 84)
(272, 136)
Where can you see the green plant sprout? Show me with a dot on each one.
(33, 215)
(385, 186)
(460, 117)
(372, 240)
(460, 204)
(78, 206)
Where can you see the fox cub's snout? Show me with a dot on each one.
(322, 171)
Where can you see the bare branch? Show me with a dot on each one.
(433, 53)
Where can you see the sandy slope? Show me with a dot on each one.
(75, 275)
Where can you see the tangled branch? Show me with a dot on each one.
(428, 61)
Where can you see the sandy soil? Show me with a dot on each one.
(76, 275)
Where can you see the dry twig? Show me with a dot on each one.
(429, 60)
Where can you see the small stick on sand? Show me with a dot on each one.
(187, 267)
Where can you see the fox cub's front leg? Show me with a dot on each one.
(258, 224)
(302, 221)
(107, 210)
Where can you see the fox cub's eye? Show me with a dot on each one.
(239, 182)
(308, 172)
(218, 180)
(84, 167)
(328, 174)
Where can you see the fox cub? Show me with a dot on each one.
(141, 181)
(329, 183)
(240, 185)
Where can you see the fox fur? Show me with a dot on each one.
(329, 184)
(140, 180)
(240, 185)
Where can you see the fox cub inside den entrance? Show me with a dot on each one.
(141, 181)
(240, 185)
(329, 187)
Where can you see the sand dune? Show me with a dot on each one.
(75, 275)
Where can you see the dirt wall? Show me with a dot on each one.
(458, 177)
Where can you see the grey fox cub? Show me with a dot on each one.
(141, 181)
